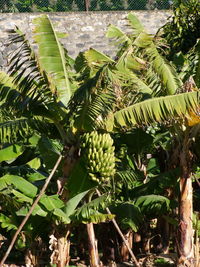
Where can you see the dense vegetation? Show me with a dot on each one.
(128, 132)
(79, 5)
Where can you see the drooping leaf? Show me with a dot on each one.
(79, 181)
(124, 67)
(162, 110)
(97, 217)
(92, 217)
(89, 62)
(49, 151)
(140, 43)
(13, 129)
(135, 24)
(167, 74)
(35, 176)
(27, 84)
(96, 58)
(94, 100)
(61, 215)
(128, 178)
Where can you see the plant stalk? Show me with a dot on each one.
(122, 236)
(93, 250)
(30, 211)
(185, 227)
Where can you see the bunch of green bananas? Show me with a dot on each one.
(99, 157)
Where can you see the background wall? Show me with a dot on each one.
(84, 30)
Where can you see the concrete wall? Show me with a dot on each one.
(84, 30)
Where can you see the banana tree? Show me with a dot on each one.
(165, 110)
(142, 172)
(44, 92)
(158, 110)
(37, 90)
(40, 93)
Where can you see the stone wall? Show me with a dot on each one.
(84, 30)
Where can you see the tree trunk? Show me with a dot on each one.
(69, 161)
(185, 229)
(92, 245)
(61, 255)
(34, 254)
(63, 248)
(60, 246)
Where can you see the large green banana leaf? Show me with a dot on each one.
(52, 59)
(161, 109)
(143, 45)
(168, 76)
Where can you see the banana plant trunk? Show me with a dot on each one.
(63, 241)
(63, 250)
(185, 228)
(92, 246)
(60, 246)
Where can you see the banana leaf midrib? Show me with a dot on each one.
(62, 54)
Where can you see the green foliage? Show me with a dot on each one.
(51, 57)
(128, 214)
(79, 181)
(142, 141)
(128, 178)
(156, 69)
(182, 30)
(77, 111)
(73, 202)
(7, 222)
(10, 153)
(157, 110)
(90, 212)
(153, 205)
(94, 99)
(162, 262)
(20, 183)
(31, 96)
(49, 150)
(156, 185)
